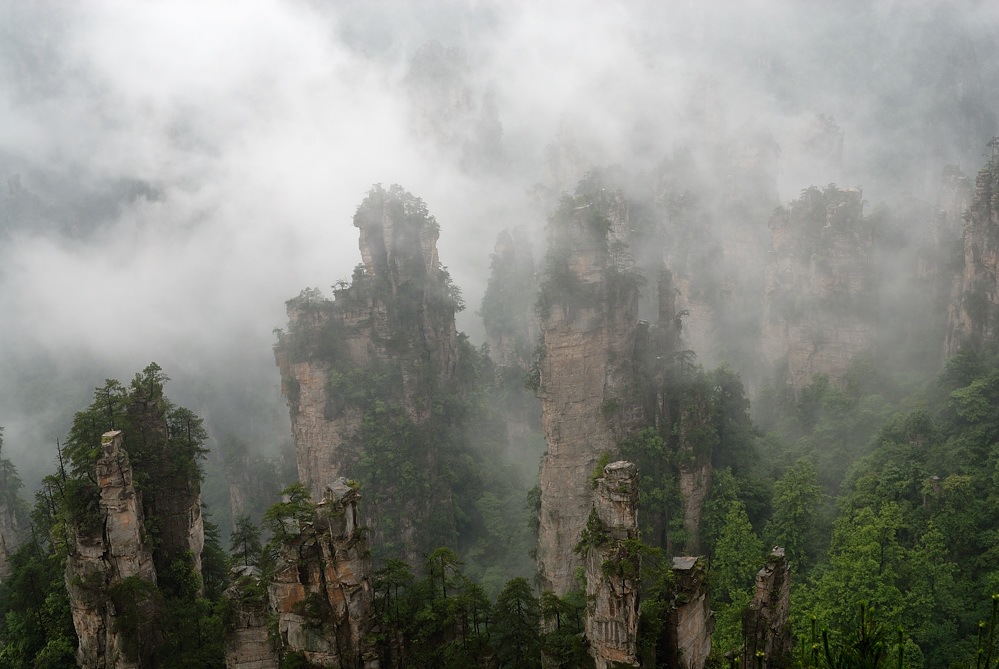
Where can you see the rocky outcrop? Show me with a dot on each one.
(10, 533)
(694, 468)
(766, 623)
(321, 590)
(613, 582)
(11, 516)
(973, 316)
(248, 644)
(589, 320)
(103, 554)
(386, 341)
(821, 300)
(691, 620)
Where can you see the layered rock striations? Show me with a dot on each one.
(612, 567)
(12, 520)
(10, 533)
(973, 317)
(108, 555)
(248, 643)
(766, 623)
(821, 298)
(691, 621)
(586, 379)
(321, 590)
(380, 353)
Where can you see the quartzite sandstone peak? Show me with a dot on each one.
(613, 595)
(821, 300)
(321, 588)
(766, 623)
(974, 314)
(599, 368)
(589, 320)
(11, 520)
(104, 553)
(386, 342)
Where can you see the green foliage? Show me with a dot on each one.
(244, 542)
(36, 626)
(598, 469)
(439, 620)
(794, 522)
(594, 534)
(562, 645)
(284, 519)
(171, 620)
(516, 624)
(737, 557)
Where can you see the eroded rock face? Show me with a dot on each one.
(613, 583)
(766, 625)
(691, 621)
(974, 311)
(589, 312)
(821, 301)
(248, 644)
(9, 532)
(389, 335)
(321, 589)
(11, 520)
(102, 555)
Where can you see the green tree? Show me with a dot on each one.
(794, 524)
(516, 620)
(738, 555)
(244, 542)
(284, 519)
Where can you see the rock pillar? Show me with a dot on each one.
(613, 581)
(766, 624)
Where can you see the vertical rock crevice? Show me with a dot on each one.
(589, 321)
(766, 626)
(613, 568)
(102, 555)
(973, 316)
(321, 589)
(386, 344)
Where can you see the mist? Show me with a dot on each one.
(174, 171)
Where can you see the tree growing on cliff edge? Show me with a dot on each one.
(36, 627)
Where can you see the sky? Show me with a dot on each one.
(189, 166)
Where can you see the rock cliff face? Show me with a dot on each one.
(11, 520)
(248, 644)
(104, 554)
(321, 589)
(589, 319)
(691, 621)
(766, 624)
(613, 583)
(821, 301)
(10, 531)
(386, 342)
(694, 469)
(974, 314)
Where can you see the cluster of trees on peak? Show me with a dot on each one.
(881, 487)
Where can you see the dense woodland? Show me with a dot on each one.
(881, 488)
(830, 364)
